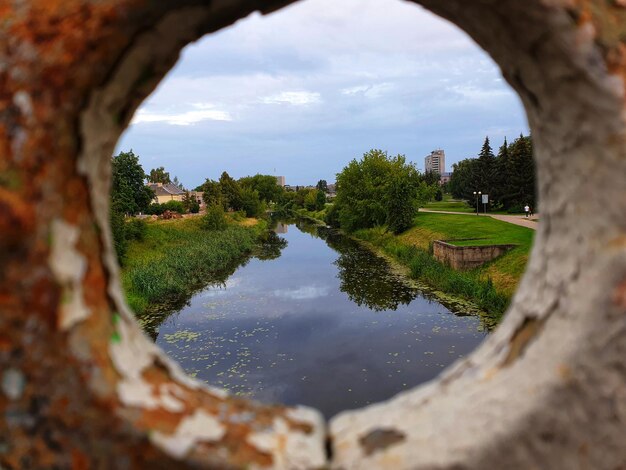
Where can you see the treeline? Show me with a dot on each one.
(380, 190)
(508, 178)
(254, 195)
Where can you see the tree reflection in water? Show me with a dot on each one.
(366, 278)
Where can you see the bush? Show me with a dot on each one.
(214, 219)
(135, 229)
(251, 203)
(194, 208)
(439, 195)
(174, 206)
(332, 216)
(154, 209)
(118, 230)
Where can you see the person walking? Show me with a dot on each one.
(530, 211)
(527, 209)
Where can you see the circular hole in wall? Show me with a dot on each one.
(299, 94)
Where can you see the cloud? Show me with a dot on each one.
(203, 112)
(308, 88)
(302, 293)
(296, 98)
(473, 93)
(369, 91)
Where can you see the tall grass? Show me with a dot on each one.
(177, 257)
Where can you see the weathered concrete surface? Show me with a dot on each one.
(467, 257)
(80, 386)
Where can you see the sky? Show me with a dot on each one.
(304, 90)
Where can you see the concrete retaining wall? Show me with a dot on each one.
(467, 257)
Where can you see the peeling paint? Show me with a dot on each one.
(200, 427)
(22, 100)
(380, 439)
(68, 267)
(13, 383)
(289, 448)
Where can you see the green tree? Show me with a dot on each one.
(379, 190)
(177, 183)
(499, 191)
(485, 169)
(310, 200)
(322, 185)
(521, 188)
(320, 200)
(214, 219)
(266, 185)
(231, 192)
(159, 175)
(211, 192)
(129, 194)
(251, 202)
(190, 204)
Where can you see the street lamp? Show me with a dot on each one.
(477, 194)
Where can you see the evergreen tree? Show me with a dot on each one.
(501, 180)
(521, 173)
(485, 169)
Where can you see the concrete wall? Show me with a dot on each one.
(467, 257)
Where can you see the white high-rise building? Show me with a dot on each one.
(436, 162)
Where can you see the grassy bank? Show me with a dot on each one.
(450, 205)
(490, 286)
(176, 257)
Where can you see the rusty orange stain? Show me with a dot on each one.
(619, 295)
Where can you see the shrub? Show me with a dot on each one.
(174, 206)
(194, 207)
(251, 203)
(118, 230)
(332, 216)
(155, 209)
(135, 229)
(214, 219)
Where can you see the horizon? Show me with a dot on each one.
(338, 81)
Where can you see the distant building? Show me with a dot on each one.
(280, 181)
(445, 177)
(435, 162)
(170, 192)
(166, 192)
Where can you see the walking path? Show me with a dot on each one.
(520, 220)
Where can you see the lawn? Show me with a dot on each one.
(485, 230)
(456, 205)
(450, 205)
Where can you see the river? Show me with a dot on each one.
(322, 322)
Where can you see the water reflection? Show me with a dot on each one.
(366, 278)
(326, 324)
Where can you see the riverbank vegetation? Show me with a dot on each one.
(490, 286)
(175, 257)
